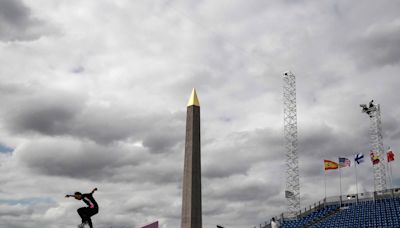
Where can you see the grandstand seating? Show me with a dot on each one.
(379, 213)
(368, 209)
(310, 217)
(369, 213)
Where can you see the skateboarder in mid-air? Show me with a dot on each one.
(89, 211)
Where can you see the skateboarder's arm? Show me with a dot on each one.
(66, 196)
(95, 189)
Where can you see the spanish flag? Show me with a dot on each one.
(330, 165)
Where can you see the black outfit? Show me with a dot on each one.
(87, 212)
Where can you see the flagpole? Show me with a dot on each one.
(388, 168)
(340, 179)
(388, 172)
(325, 181)
(355, 167)
(372, 160)
(391, 175)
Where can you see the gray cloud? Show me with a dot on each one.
(34, 109)
(14, 210)
(64, 113)
(117, 124)
(378, 46)
(249, 190)
(103, 104)
(243, 150)
(66, 157)
(17, 22)
(74, 158)
(158, 142)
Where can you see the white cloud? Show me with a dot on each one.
(93, 94)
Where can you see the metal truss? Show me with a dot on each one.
(292, 191)
(376, 139)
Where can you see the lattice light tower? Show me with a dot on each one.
(375, 131)
(292, 191)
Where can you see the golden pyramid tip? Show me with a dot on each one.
(193, 100)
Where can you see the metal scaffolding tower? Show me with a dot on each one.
(292, 191)
(377, 150)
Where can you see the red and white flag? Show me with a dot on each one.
(390, 155)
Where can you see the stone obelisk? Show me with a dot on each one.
(191, 196)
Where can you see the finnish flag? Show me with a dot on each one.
(359, 158)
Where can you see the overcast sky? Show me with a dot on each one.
(94, 93)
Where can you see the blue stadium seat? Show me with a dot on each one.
(378, 213)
